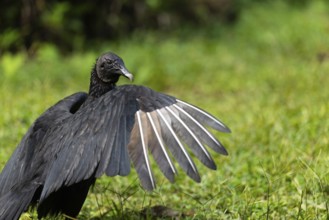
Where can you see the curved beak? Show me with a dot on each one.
(126, 73)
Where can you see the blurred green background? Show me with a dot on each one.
(260, 66)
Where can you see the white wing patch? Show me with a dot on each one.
(174, 127)
(159, 111)
(202, 112)
(145, 149)
(160, 141)
(191, 133)
(197, 123)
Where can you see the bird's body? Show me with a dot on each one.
(85, 136)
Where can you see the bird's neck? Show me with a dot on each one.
(97, 87)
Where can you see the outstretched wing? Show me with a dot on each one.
(126, 124)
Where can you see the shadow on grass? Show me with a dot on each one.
(154, 212)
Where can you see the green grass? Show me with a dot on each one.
(267, 78)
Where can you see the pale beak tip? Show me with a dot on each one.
(130, 77)
(127, 74)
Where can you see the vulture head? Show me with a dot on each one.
(109, 67)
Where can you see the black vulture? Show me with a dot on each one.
(85, 136)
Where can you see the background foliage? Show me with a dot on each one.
(266, 77)
(78, 24)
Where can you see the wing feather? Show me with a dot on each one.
(176, 147)
(144, 140)
(158, 149)
(137, 148)
(205, 136)
(203, 116)
(124, 138)
(190, 139)
(113, 156)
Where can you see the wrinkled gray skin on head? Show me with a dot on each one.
(109, 67)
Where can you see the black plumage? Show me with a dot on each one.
(85, 136)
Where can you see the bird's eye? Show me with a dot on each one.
(102, 66)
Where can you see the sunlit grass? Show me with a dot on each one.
(266, 78)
